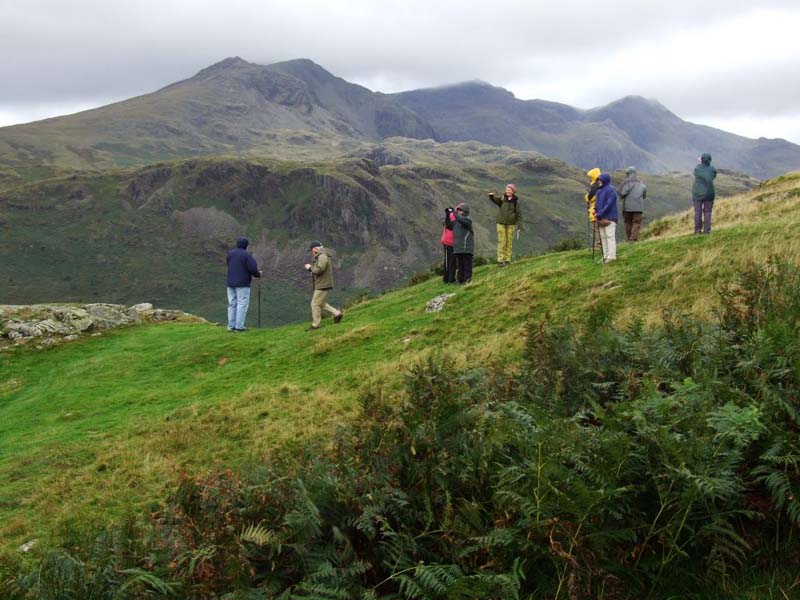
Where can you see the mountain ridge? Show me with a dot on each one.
(235, 107)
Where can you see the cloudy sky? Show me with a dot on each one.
(727, 63)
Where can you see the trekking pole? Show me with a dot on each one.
(259, 305)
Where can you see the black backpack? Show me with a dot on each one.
(448, 222)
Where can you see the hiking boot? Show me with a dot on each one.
(312, 328)
(338, 317)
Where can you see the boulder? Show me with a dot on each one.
(50, 324)
(437, 304)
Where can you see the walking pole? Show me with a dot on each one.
(259, 305)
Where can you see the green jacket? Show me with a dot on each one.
(322, 270)
(463, 236)
(508, 212)
(704, 175)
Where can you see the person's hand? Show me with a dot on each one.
(492, 194)
(261, 273)
(307, 267)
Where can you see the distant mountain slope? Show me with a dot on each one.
(631, 130)
(160, 233)
(298, 109)
(228, 108)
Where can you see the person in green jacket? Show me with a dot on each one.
(322, 272)
(703, 194)
(509, 219)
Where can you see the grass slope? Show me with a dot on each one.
(97, 429)
(160, 234)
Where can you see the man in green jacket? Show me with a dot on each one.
(322, 272)
(703, 194)
(509, 218)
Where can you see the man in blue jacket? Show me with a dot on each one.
(242, 268)
(605, 210)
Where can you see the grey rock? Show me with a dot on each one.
(29, 545)
(437, 304)
(49, 324)
(108, 316)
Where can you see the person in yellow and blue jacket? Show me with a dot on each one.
(594, 185)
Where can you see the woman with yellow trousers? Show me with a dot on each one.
(509, 219)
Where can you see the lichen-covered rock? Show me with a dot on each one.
(437, 303)
(50, 324)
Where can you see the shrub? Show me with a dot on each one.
(614, 462)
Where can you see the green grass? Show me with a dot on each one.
(87, 239)
(96, 429)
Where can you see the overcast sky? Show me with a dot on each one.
(727, 63)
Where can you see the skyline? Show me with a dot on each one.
(729, 69)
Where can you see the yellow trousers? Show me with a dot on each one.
(505, 239)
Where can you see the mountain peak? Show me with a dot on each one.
(232, 62)
(304, 69)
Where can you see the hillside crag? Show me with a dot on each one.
(45, 325)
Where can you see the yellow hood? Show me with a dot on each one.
(593, 174)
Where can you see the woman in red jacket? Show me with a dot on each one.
(449, 266)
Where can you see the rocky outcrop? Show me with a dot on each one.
(48, 324)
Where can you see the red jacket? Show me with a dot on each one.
(447, 234)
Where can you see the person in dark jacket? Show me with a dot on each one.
(605, 208)
(509, 219)
(449, 266)
(633, 193)
(463, 243)
(703, 194)
(242, 268)
(322, 272)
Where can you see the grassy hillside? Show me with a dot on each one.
(94, 430)
(160, 233)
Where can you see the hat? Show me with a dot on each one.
(630, 170)
(513, 187)
(315, 245)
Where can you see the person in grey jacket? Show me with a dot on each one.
(463, 243)
(633, 193)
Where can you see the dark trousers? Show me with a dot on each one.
(449, 266)
(702, 216)
(464, 263)
(633, 222)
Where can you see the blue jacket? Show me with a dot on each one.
(605, 202)
(241, 265)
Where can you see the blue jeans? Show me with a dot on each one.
(238, 301)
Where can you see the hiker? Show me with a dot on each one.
(703, 194)
(606, 214)
(633, 193)
(322, 273)
(242, 268)
(594, 185)
(509, 219)
(463, 243)
(449, 266)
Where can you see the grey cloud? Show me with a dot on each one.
(95, 50)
